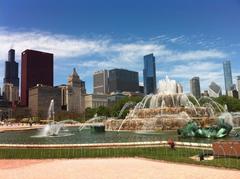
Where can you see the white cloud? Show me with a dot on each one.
(67, 46)
(177, 39)
(197, 55)
(62, 46)
(104, 53)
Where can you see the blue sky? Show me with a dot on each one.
(188, 37)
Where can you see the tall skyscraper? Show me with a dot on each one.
(11, 69)
(37, 68)
(195, 87)
(100, 82)
(11, 80)
(149, 74)
(227, 75)
(123, 80)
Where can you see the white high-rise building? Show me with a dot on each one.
(214, 90)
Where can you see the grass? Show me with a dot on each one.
(180, 155)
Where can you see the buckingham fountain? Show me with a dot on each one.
(166, 114)
(170, 110)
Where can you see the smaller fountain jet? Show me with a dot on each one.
(52, 128)
(51, 113)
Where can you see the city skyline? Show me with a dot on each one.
(195, 47)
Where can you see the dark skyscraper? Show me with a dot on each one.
(149, 74)
(123, 80)
(195, 87)
(37, 68)
(11, 69)
(227, 75)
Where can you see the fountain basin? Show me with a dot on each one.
(98, 128)
(88, 137)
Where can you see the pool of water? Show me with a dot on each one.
(73, 136)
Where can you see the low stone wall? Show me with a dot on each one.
(226, 148)
(110, 145)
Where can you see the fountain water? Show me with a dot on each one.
(168, 109)
(95, 121)
(51, 113)
(53, 128)
(126, 105)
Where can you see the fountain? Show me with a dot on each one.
(169, 110)
(53, 128)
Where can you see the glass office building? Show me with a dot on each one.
(149, 74)
(121, 80)
(227, 75)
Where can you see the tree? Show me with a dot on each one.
(115, 110)
(233, 104)
(90, 112)
(103, 111)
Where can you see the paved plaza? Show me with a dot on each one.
(122, 168)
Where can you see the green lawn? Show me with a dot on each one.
(180, 155)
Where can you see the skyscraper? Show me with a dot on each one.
(11, 69)
(37, 68)
(195, 87)
(100, 82)
(123, 80)
(227, 75)
(149, 74)
(11, 80)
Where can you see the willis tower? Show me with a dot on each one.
(11, 69)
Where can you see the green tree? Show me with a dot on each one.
(233, 104)
(103, 111)
(115, 110)
(89, 113)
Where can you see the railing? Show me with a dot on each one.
(181, 152)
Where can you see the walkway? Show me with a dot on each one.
(122, 168)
